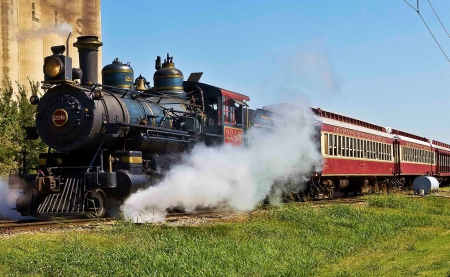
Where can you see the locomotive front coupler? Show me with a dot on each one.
(46, 184)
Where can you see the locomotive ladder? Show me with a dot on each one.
(71, 199)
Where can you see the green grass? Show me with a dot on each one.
(392, 236)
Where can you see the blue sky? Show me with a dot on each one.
(373, 60)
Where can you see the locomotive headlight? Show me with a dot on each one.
(53, 67)
(57, 67)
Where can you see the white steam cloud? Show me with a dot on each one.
(238, 177)
(317, 71)
(62, 30)
(308, 68)
(8, 200)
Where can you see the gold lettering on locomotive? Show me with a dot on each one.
(233, 136)
(60, 117)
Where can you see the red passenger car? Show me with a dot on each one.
(360, 156)
(442, 167)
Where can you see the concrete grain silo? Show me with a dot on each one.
(29, 41)
(9, 48)
(30, 27)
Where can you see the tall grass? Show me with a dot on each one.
(381, 239)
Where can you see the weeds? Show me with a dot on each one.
(393, 201)
(381, 239)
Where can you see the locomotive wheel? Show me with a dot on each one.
(331, 193)
(98, 204)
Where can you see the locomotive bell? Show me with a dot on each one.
(168, 79)
(140, 83)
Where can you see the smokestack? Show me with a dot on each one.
(88, 54)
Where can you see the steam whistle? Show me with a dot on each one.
(158, 62)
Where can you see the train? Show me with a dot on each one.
(361, 157)
(108, 140)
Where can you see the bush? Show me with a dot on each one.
(16, 112)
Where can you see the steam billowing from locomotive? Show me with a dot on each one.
(6, 200)
(107, 141)
(234, 177)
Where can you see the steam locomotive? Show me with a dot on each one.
(108, 140)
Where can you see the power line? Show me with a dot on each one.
(418, 12)
(434, 37)
(438, 18)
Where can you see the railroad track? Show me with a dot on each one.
(222, 212)
(13, 226)
(213, 213)
(346, 200)
(350, 200)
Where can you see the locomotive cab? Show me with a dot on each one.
(226, 114)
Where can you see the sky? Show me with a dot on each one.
(371, 60)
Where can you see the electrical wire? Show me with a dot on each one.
(438, 18)
(418, 12)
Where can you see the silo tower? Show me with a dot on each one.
(30, 27)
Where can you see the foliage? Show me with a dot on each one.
(16, 112)
(292, 240)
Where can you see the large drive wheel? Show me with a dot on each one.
(97, 205)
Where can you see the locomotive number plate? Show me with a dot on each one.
(60, 117)
(233, 136)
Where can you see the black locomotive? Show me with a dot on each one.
(108, 140)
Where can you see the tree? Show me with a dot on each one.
(16, 112)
